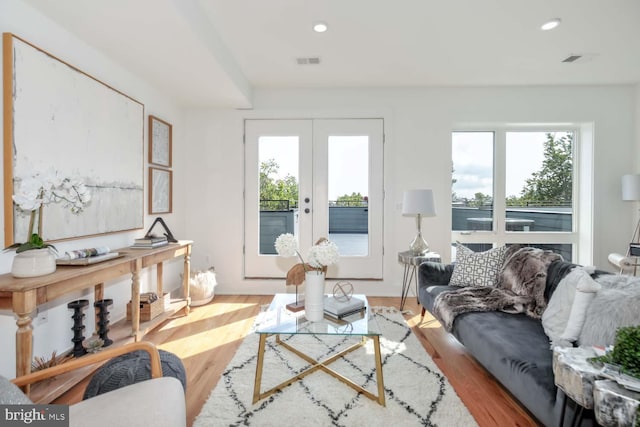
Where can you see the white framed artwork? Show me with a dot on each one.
(60, 118)
(160, 191)
(160, 142)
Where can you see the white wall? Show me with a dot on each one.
(636, 160)
(418, 123)
(25, 22)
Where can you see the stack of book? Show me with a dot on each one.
(340, 309)
(148, 242)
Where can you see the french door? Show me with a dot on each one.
(314, 178)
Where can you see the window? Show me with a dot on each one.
(514, 186)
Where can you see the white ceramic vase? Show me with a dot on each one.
(314, 295)
(32, 263)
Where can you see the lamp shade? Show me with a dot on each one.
(631, 187)
(417, 202)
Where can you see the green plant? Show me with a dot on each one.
(626, 351)
(35, 242)
(94, 344)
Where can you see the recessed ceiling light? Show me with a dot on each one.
(550, 25)
(320, 27)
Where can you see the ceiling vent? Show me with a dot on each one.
(308, 61)
(572, 58)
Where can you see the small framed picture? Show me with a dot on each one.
(160, 136)
(160, 191)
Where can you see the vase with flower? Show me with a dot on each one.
(321, 255)
(35, 257)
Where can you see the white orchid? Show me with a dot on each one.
(38, 190)
(42, 189)
(29, 195)
(72, 193)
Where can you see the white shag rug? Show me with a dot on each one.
(417, 393)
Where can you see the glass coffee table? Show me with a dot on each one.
(277, 320)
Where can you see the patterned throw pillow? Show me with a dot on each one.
(477, 269)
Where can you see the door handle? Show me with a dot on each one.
(307, 200)
(307, 210)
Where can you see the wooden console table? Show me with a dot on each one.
(23, 296)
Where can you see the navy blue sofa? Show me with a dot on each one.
(512, 347)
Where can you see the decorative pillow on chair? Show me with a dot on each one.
(479, 269)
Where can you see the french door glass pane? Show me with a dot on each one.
(312, 163)
(278, 172)
(472, 182)
(348, 186)
(539, 186)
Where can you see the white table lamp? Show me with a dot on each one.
(631, 187)
(419, 203)
(631, 192)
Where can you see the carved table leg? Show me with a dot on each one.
(24, 303)
(159, 279)
(135, 301)
(186, 276)
(24, 346)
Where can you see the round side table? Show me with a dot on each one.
(411, 263)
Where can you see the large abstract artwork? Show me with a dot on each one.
(58, 118)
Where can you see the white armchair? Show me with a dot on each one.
(159, 401)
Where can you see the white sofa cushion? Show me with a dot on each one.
(566, 311)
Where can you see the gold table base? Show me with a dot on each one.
(319, 365)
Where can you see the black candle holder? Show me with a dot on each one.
(78, 327)
(103, 320)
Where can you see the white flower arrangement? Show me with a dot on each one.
(42, 189)
(287, 245)
(321, 255)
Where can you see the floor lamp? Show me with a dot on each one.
(631, 192)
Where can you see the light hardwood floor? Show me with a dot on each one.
(207, 339)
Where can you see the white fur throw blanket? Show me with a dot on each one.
(520, 289)
(616, 304)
